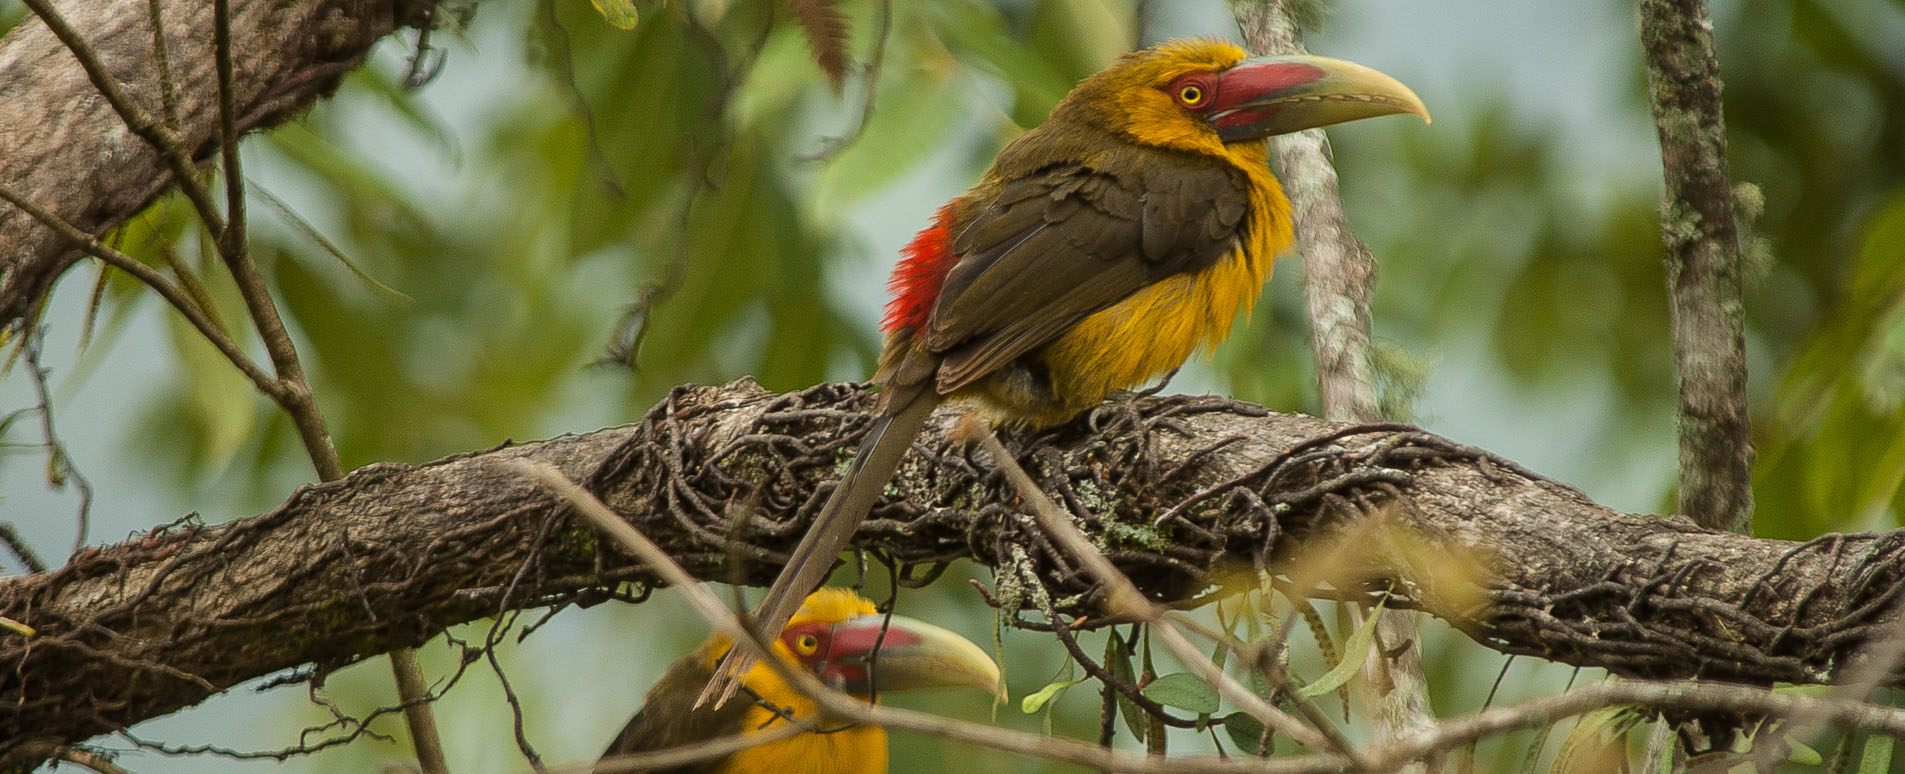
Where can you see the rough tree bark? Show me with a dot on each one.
(63, 148)
(726, 477)
(1703, 264)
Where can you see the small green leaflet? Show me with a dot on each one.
(620, 14)
(1352, 661)
(1030, 705)
(1245, 731)
(1594, 735)
(1877, 756)
(1118, 660)
(1184, 691)
(1803, 755)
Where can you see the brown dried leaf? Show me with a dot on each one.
(826, 29)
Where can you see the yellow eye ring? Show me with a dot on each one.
(1190, 94)
(806, 644)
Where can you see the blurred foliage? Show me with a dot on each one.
(1816, 115)
(692, 194)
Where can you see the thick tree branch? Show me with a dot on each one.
(63, 147)
(1703, 264)
(392, 554)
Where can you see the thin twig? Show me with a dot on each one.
(1665, 694)
(21, 551)
(59, 463)
(416, 710)
(162, 65)
(194, 314)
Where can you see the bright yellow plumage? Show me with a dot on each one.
(851, 750)
(1172, 317)
(833, 637)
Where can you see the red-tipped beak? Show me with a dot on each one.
(1274, 95)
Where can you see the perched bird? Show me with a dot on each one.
(1100, 250)
(839, 637)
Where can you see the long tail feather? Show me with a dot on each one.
(879, 456)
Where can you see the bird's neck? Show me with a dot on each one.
(832, 748)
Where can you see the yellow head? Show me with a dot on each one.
(843, 639)
(1199, 95)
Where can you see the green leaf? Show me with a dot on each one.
(1245, 730)
(620, 14)
(1593, 738)
(1260, 683)
(1118, 660)
(1352, 658)
(330, 248)
(1030, 705)
(219, 404)
(1184, 691)
(1876, 758)
(1803, 755)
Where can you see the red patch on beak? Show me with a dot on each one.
(852, 649)
(1248, 83)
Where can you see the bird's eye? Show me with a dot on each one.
(806, 644)
(1190, 94)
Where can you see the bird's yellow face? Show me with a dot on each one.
(1203, 95)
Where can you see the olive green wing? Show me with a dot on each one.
(668, 717)
(1066, 241)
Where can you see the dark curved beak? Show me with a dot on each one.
(911, 654)
(1274, 95)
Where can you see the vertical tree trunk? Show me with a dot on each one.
(1703, 264)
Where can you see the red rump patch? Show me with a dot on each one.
(920, 274)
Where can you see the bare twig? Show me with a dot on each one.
(416, 710)
(21, 551)
(194, 314)
(1703, 264)
(162, 66)
(59, 464)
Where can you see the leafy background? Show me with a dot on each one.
(501, 222)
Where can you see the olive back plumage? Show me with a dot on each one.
(1055, 246)
(668, 717)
